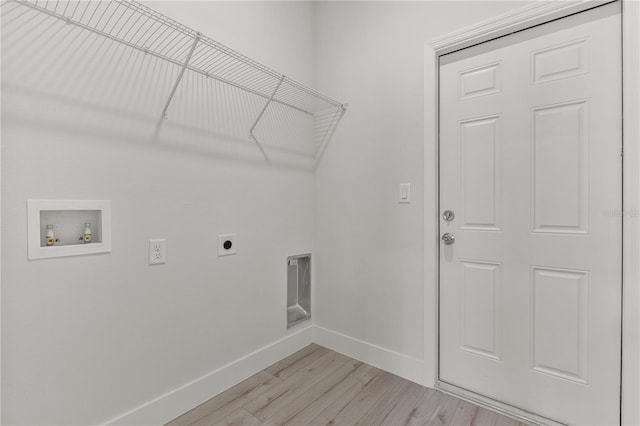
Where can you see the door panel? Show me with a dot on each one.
(559, 318)
(480, 302)
(560, 148)
(563, 61)
(530, 290)
(481, 81)
(480, 173)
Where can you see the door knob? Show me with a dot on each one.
(448, 239)
(448, 215)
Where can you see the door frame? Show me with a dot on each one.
(520, 19)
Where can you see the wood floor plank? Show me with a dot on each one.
(464, 414)
(296, 361)
(507, 421)
(444, 411)
(287, 408)
(405, 407)
(319, 387)
(365, 373)
(239, 417)
(222, 399)
(267, 404)
(333, 397)
(365, 399)
(426, 407)
(327, 415)
(485, 418)
(377, 414)
(226, 407)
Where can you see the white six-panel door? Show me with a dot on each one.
(530, 165)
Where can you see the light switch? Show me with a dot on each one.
(405, 193)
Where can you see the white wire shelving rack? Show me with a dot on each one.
(139, 27)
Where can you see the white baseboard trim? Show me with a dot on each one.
(180, 400)
(396, 363)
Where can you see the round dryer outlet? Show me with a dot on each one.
(227, 244)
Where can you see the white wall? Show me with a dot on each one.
(85, 339)
(370, 249)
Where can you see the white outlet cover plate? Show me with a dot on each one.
(157, 251)
(224, 238)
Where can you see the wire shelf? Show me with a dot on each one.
(139, 27)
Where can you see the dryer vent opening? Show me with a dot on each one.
(298, 289)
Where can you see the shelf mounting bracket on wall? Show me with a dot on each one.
(252, 136)
(323, 141)
(182, 70)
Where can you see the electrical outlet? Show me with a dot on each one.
(157, 251)
(227, 244)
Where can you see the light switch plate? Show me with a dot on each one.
(404, 193)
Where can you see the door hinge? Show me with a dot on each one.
(621, 151)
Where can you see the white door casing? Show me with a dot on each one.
(530, 292)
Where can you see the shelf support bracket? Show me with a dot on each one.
(264, 108)
(328, 134)
(182, 70)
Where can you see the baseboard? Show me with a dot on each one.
(178, 401)
(399, 364)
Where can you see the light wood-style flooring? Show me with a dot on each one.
(317, 386)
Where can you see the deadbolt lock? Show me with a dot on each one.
(448, 215)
